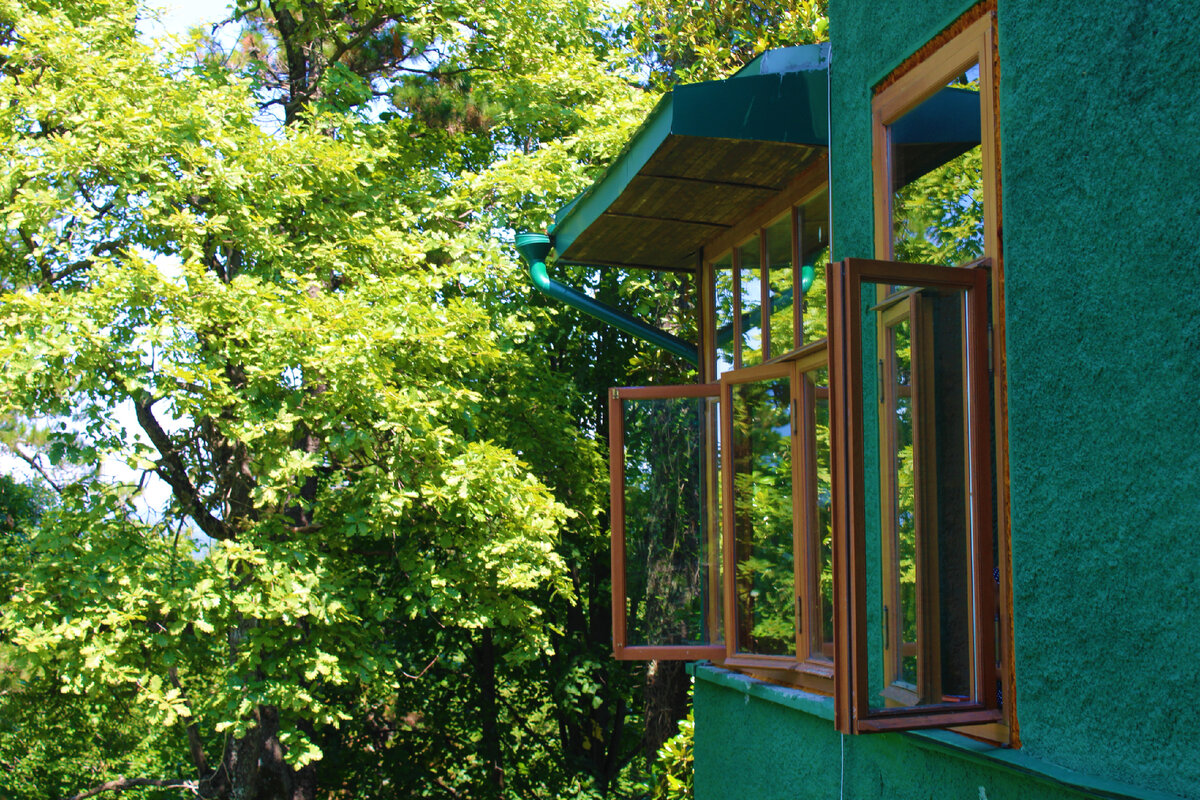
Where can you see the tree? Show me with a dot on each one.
(383, 566)
(684, 41)
(307, 377)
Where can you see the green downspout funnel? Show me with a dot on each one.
(534, 247)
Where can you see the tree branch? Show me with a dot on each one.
(121, 784)
(172, 470)
(195, 747)
(33, 462)
(85, 262)
(42, 265)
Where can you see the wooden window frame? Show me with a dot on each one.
(616, 470)
(805, 668)
(970, 41)
(759, 372)
(975, 45)
(852, 695)
(800, 191)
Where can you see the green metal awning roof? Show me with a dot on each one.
(707, 154)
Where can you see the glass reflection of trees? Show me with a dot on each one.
(665, 562)
(724, 309)
(762, 511)
(904, 501)
(821, 513)
(937, 218)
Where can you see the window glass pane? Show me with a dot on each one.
(902, 511)
(814, 261)
(779, 266)
(916, 413)
(762, 517)
(750, 261)
(818, 511)
(723, 306)
(667, 532)
(714, 541)
(937, 177)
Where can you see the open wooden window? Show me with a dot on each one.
(759, 475)
(777, 496)
(665, 524)
(915, 487)
(936, 161)
(764, 330)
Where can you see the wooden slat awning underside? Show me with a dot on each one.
(707, 155)
(692, 189)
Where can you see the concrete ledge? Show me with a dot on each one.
(816, 704)
(943, 742)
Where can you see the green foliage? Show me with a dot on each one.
(938, 218)
(382, 566)
(684, 41)
(674, 768)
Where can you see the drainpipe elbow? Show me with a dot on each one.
(534, 247)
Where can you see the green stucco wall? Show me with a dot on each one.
(764, 743)
(1101, 170)
(1100, 139)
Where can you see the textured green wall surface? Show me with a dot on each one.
(1100, 139)
(750, 747)
(868, 38)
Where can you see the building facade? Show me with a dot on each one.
(944, 450)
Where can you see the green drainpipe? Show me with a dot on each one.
(534, 247)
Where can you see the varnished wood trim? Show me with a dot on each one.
(616, 479)
(926, 719)
(669, 652)
(616, 474)
(800, 190)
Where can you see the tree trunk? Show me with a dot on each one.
(242, 765)
(666, 695)
(485, 672)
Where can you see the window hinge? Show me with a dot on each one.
(880, 376)
(887, 634)
(615, 394)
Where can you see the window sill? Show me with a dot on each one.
(809, 702)
(942, 741)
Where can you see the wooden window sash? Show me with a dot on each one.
(747, 375)
(851, 687)
(808, 524)
(801, 669)
(975, 44)
(616, 466)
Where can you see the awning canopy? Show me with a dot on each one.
(707, 154)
